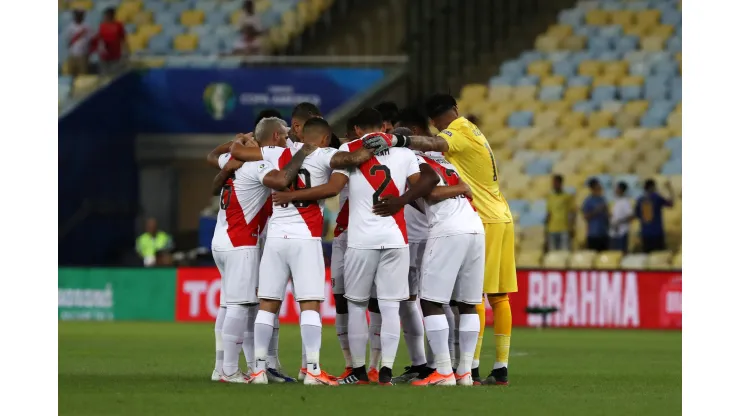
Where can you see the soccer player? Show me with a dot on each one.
(389, 111)
(296, 227)
(455, 229)
(235, 241)
(351, 133)
(301, 113)
(468, 150)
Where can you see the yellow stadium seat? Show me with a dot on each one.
(676, 263)
(632, 80)
(674, 120)
(582, 259)
(552, 81)
(662, 31)
(500, 137)
(605, 80)
(625, 121)
(261, 6)
(618, 68)
(186, 42)
(589, 68)
(637, 107)
(235, 17)
(136, 42)
(597, 17)
(560, 31)
(547, 119)
(152, 62)
(634, 262)
(600, 119)
(128, 10)
(192, 17)
(573, 120)
(622, 17)
(495, 120)
(573, 94)
(474, 92)
(608, 260)
(81, 4)
(539, 68)
(143, 17)
(557, 106)
(531, 105)
(648, 17)
(545, 43)
(659, 260)
(556, 260)
(506, 107)
(652, 43)
(149, 30)
(574, 43)
(500, 93)
(661, 134)
(636, 30)
(85, 83)
(529, 259)
(525, 93)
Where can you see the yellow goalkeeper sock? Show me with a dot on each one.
(501, 328)
(481, 310)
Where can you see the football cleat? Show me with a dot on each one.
(411, 373)
(476, 376)
(323, 379)
(498, 377)
(237, 377)
(436, 379)
(302, 374)
(260, 377)
(275, 376)
(372, 375)
(385, 377)
(357, 376)
(215, 376)
(464, 380)
(347, 372)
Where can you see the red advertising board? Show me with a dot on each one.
(199, 290)
(600, 298)
(584, 298)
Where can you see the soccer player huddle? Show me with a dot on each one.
(420, 216)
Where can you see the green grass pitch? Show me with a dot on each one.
(118, 368)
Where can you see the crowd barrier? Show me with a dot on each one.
(582, 298)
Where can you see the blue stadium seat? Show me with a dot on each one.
(518, 205)
(626, 44)
(611, 31)
(630, 92)
(531, 219)
(178, 7)
(652, 120)
(528, 80)
(558, 56)
(640, 68)
(520, 119)
(665, 68)
(500, 80)
(674, 44)
(604, 93)
(160, 44)
(552, 93)
(637, 5)
(540, 166)
(599, 44)
(671, 17)
(585, 107)
(565, 68)
(676, 89)
(608, 133)
(611, 5)
(672, 167)
(512, 69)
(572, 17)
(530, 56)
(216, 18)
(207, 6)
(538, 207)
(579, 81)
(586, 31)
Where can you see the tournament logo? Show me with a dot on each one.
(219, 99)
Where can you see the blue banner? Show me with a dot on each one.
(228, 100)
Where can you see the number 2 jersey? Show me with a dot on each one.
(300, 219)
(245, 205)
(382, 175)
(453, 215)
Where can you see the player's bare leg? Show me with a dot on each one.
(218, 329)
(376, 321)
(438, 334)
(235, 324)
(341, 325)
(311, 339)
(468, 327)
(263, 328)
(413, 332)
(502, 335)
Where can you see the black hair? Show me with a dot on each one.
(334, 141)
(403, 131)
(622, 186)
(270, 112)
(650, 184)
(110, 11)
(388, 110)
(351, 123)
(369, 118)
(305, 110)
(558, 178)
(411, 117)
(438, 104)
(593, 182)
(317, 123)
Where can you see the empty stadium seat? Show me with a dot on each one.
(556, 260)
(660, 260)
(608, 260)
(582, 259)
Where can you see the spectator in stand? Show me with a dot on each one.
(560, 216)
(649, 210)
(78, 38)
(250, 28)
(154, 245)
(619, 226)
(389, 111)
(596, 213)
(111, 42)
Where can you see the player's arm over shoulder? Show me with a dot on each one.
(344, 159)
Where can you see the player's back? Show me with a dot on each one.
(471, 154)
(454, 215)
(300, 219)
(384, 174)
(243, 207)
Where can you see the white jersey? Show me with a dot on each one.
(343, 214)
(244, 206)
(78, 39)
(454, 215)
(416, 223)
(382, 175)
(300, 219)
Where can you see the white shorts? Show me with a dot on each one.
(239, 275)
(338, 248)
(416, 253)
(386, 268)
(300, 258)
(452, 268)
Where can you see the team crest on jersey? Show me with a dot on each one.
(447, 132)
(262, 166)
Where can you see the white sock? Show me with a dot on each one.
(469, 328)
(235, 323)
(341, 324)
(438, 333)
(390, 331)
(499, 364)
(262, 334)
(219, 340)
(357, 331)
(476, 363)
(376, 322)
(248, 345)
(413, 331)
(429, 353)
(272, 350)
(452, 314)
(311, 336)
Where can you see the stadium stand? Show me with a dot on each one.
(599, 96)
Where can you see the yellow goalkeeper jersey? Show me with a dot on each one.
(473, 158)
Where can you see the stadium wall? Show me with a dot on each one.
(583, 298)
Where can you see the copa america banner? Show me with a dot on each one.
(227, 100)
